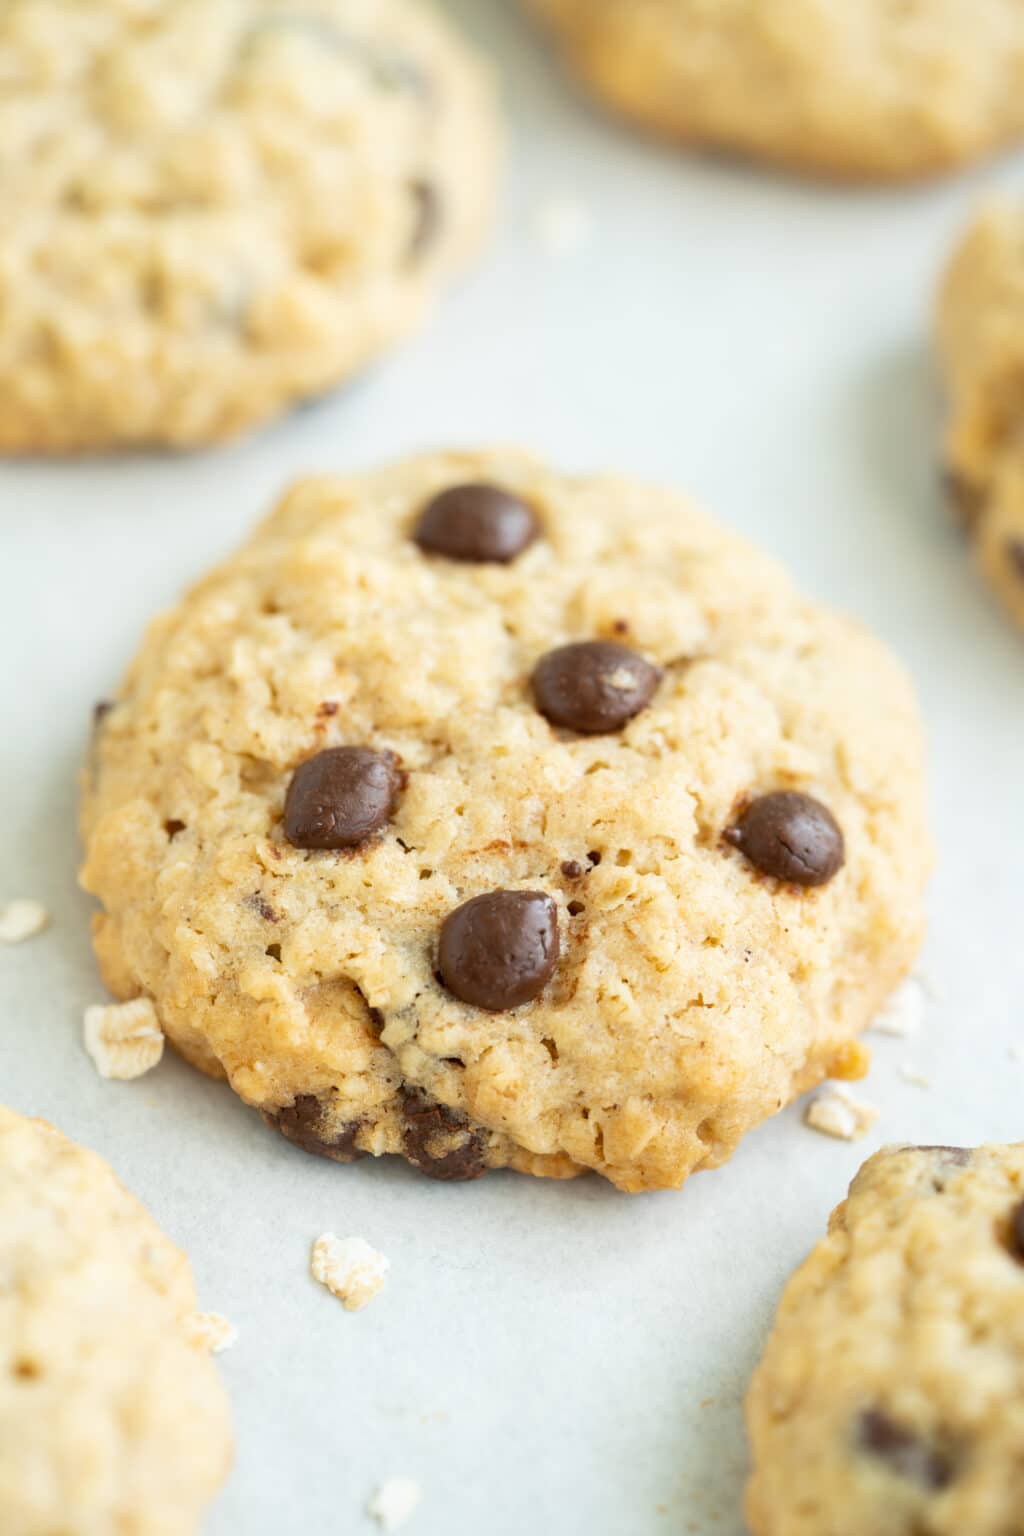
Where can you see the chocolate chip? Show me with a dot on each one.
(340, 797)
(790, 836)
(261, 905)
(477, 523)
(572, 869)
(595, 857)
(1017, 1231)
(967, 499)
(440, 1142)
(304, 1123)
(327, 708)
(575, 908)
(172, 828)
(593, 686)
(500, 949)
(427, 219)
(1015, 555)
(902, 1451)
(100, 711)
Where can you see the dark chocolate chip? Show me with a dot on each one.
(440, 1142)
(595, 857)
(172, 828)
(967, 500)
(1015, 555)
(790, 836)
(1017, 1231)
(304, 1123)
(427, 218)
(575, 908)
(903, 1452)
(572, 869)
(593, 686)
(500, 949)
(340, 797)
(477, 523)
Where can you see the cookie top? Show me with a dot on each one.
(214, 209)
(111, 1419)
(880, 88)
(980, 332)
(890, 1398)
(699, 797)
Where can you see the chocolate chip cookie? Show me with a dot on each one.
(215, 209)
(890, 1399)
(980, 325)
(492, 817)
(112, 1417)
(876, 88)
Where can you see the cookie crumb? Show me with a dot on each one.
(349, 1268)
(213, 1331)
(394, 1501)
(839, 1113)
(903, 1013)
(562, 225)
(911, 1074)
(22, 919)
(124, 1039)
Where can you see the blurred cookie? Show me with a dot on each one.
(112, 1417)
(890, 1399)
(980, 325)
(868, 89)
(492, 817)
(215, 209)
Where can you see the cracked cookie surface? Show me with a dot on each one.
(213, 210)
(880, 88)
(567, 939)
(890, 1398)
(112, 1417)
(980, 327)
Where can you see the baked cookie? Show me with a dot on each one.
(492, 817)
(214, 209)
(980, 327)
(890, 1399)
(113, 1420)
(850, 88)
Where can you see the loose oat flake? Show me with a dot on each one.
(903, 1013)
(838, 1112)
(394, 1501)
(349, 1268)
(124, 1039)
(22, 919)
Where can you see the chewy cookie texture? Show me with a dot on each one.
(890, 1398)
(980, 325)
(492, 817)
(112, 1417)
(852, 88)
(212, 210)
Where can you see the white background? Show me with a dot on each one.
(547, 1358)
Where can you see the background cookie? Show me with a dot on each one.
(579, 691)
(211, 210)
(890, 1398)
(112, 1419)
(980, 324)
(873, 89)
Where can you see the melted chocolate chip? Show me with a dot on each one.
(303, 1122)
(477, 523)
(426, 221)
(572, 869)
(1017, 1231)
(500, 949)
(792, 837)
(903, 1452)
(1015, 555)
(340, 797)
(593, 686)
(440, 1142)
